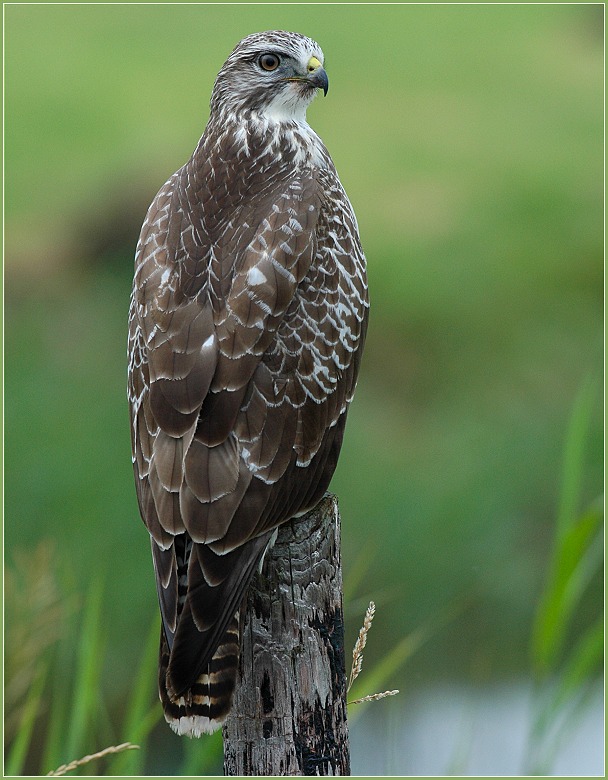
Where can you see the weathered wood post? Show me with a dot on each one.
(289, 711)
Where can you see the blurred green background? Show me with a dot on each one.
(470, 141)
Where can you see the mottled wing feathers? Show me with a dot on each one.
(208, 415)
(247, 322)
(197, 343)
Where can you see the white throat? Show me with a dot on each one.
(289, 106)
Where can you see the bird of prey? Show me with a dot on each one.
(246, 327)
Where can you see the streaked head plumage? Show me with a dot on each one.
(273, 74)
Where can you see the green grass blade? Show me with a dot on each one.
(574, 456)
(567, 697)
(563, 677)
(584, 662)
(57, 729)
(85, 700)
(376, 679)
(577, 558)
(19, 748)
(357, 571)
(141, 717)
(570, 565)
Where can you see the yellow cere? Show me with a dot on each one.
(313, 64)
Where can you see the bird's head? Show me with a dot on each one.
(274, 75)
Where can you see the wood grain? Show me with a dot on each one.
(289, 709)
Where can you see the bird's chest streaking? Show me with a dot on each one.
(273, 233)
(247, 323)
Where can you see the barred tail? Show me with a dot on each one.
(203, 708)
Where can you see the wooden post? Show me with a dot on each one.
(289, 710)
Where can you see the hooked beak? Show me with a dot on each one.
(319, 79)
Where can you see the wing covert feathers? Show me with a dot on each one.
(246, 326)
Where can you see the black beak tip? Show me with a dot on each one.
(324, 83)
(321, 81)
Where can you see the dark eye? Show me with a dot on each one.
(269, 62)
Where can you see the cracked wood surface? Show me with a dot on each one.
(288, 715)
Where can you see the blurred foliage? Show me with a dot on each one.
(564, 674)
(35, 613)
(56, 694)
(470, 141)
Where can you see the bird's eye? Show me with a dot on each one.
(269, 62)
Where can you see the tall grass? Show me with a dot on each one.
(65, 712)
(54, 717)
(565, 665)
(565, 661)
(55, 697)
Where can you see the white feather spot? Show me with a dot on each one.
(256, 277)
